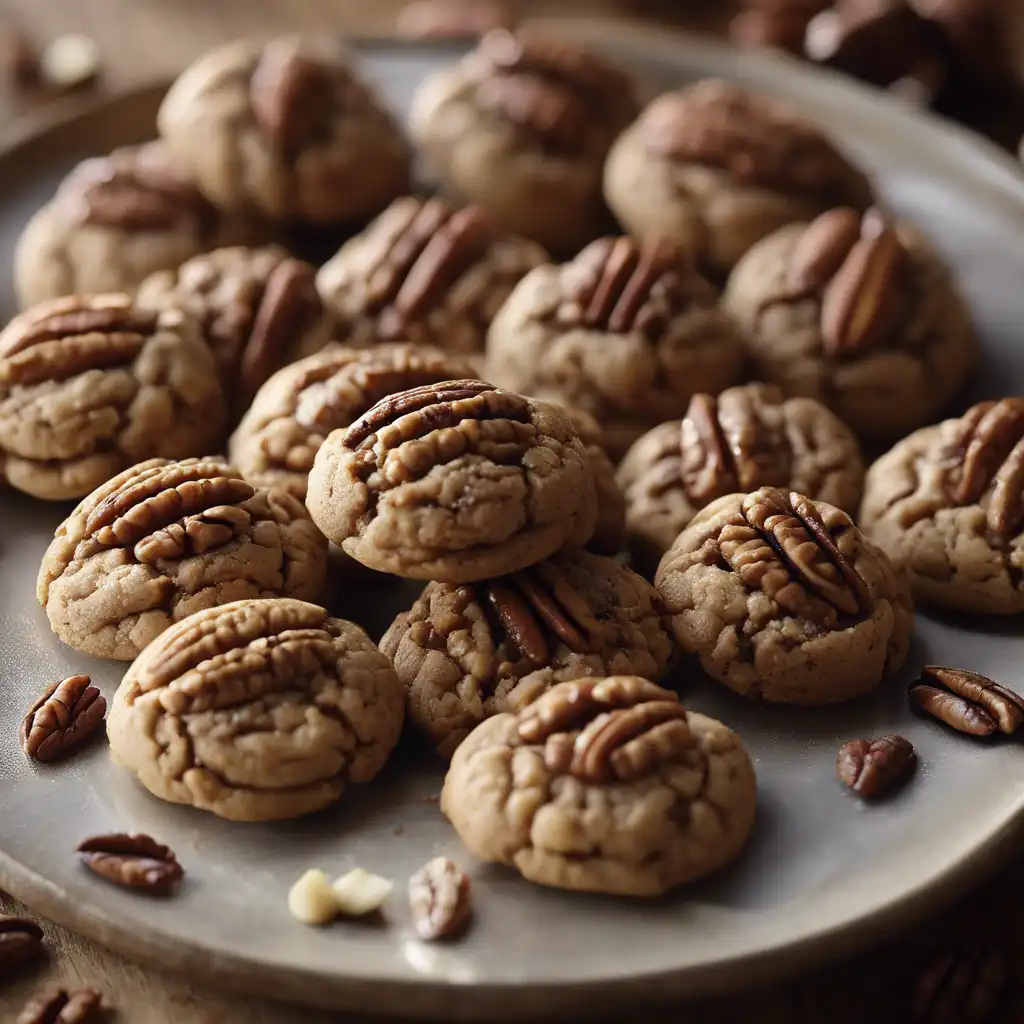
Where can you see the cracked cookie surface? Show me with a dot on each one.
(783, 599)
(91, 384)
(603, 785)
(285, 129)
(466, 653)
(859, 313)
(625, 332)
(257, 711)
(454, 482)
(165, 539)
(947, 505)
(748, 437)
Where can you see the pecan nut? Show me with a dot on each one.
(968, 701)
(63, 1006)
(21, 940)
(68, 713)
(873, 768)
(965, 986)
(822, 249)
(133, 862)
(440, 900)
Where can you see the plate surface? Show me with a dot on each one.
(822, 875)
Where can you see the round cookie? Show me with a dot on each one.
(749, 437)
(287, 129)
(259, 308)
(947, 505)
(521, 127)
(165, 539)
(453, 482)
(465, 653)
(257, 711)
(860, 314)
(714, 168)
(627, 332)
(426, 272)
(91, 384)
(114, 220)
(603, 785)
(783, 599)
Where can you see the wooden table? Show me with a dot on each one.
(142, 40)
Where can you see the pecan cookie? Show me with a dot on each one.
(522, 127)
(947, 506)
(748, 437)
(715, 168)
(165, 539)
(465, 653)
(90, 384)
(783, 599)
(259, 308)
(627, 332)
(287, 129)
(426, 272)
(859, 313)
(454, 482)
(603, 785)
(114, 220)
(257, 711)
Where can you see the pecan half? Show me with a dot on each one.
(873, 768)
(68, 713)
(956, 712)
(21, 940)
(785, 549)
(988, 451)
(133, 862)
(961, 986)
(822, 249)
(439, 898)
(995, 706)
(62, 1006)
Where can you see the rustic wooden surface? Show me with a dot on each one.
(141, 40)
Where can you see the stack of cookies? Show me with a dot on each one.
(490, 390)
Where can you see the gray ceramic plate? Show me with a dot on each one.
(823, 873)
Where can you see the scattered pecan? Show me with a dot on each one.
(961, 987)
(70, 711)
(872, 768)
(439, 897)
(62, 1006)
(133, 862)
(954, 711)
(21, 940)
(452, 19)
(974, 703)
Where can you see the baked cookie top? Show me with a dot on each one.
(90, 384)
(467, 652)
(165, 539)
(456, 482)
(604, 785)
(257, 710)
(947, 505)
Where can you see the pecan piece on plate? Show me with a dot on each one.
(439, 898)
(70, 711)
(967, 701)
(133, 862)
(21, 940)
(873, 768)
(63, 1006)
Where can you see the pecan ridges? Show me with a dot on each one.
(439, 899)
(873, 768)
(967, 701)
(133, 861)
(68, 713)
(62, 1006)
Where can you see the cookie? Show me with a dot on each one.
(603, 785)
(627, 332)
(859, 313)
(114, 220)
(286, 129)
(522, 127)
(453, 482)
(259, 308)
(783, 599)
(91, 384)
(166, 539)
(465, 653)
(257, 711)
(427, 272)
(946, 506)
(748, 437)
(714, 168)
